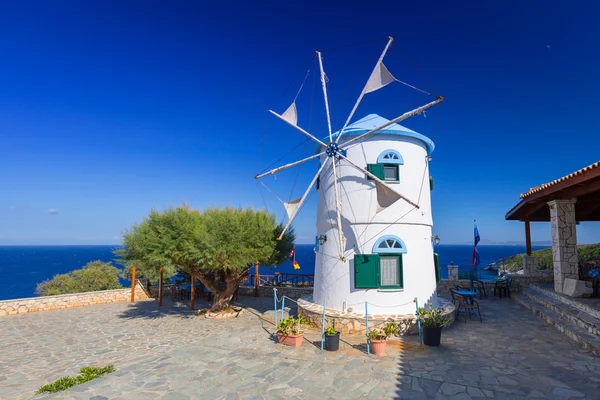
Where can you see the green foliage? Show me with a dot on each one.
(389, 329)
(588, 253)
(217, 245)
(290, 326)
(433, 318)
(85, 374)
(95, 275)
(331, 331)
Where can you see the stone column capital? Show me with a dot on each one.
(556, 202)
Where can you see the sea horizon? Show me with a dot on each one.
(29, 265)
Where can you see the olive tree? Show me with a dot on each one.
(217, 246)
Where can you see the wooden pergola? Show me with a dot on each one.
(582, 185)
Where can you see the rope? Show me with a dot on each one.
(413, 87)
(272, 192)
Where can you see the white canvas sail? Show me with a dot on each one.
(292, 206)
(385, 196)
(380, 77)
(291, 114)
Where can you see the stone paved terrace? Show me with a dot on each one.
(170, 354)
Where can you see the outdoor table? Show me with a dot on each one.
(468, 294)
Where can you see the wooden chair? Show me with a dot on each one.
(462, 304)
(453, 295)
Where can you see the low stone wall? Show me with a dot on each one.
(45, 303)
(349, 322)
(267, 291)
(519, 282)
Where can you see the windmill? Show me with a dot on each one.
(334, 151)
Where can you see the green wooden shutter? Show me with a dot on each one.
(436, 262)
(318, 182)
(375, 169)
(366, 271)
(401, 271)
(431, 183)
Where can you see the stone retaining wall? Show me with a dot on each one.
(519, 282)
(45, 303)
(350, 322)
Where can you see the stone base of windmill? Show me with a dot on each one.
(351, 322)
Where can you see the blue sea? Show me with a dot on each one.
(23, 267)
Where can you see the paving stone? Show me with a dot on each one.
(450, 389)
(170, 354)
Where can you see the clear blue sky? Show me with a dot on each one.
(111, 108)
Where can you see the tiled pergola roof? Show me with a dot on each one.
(583, 185)
(559, 180)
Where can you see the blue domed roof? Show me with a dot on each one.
(371, 121)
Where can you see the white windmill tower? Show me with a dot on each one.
(374, 218)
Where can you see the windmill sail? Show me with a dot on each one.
(385, 196)
(380, 77)
(291, 207)
(291, 114)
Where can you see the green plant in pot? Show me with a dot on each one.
(289, 331)
(332, 338)
(432, 322)
(378, 337)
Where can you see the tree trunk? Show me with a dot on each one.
(222, 296)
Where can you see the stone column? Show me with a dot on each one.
(564, 242)
(529, 266)
(453, 272)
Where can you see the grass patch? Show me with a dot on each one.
(85, 374)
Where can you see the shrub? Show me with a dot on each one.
(86, 374)
(587, 253)
(432, 318)
(95, 275)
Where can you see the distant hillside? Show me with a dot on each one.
(587, 253)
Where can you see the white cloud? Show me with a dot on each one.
(52, 211)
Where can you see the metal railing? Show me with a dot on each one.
(281, 279)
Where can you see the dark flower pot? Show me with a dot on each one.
(332, 343)
(432, 336)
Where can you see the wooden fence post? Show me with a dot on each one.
(160, 288)
(192, 293)
(256, 280)
(133, 283)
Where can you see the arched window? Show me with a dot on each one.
(389, 244)
(390, 157)
(388, 166)
(383, 268)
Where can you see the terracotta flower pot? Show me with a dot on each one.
(290, 340)
(378, 346)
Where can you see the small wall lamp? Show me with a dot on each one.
(435, 240)
(322, 239)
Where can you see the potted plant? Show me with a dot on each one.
(432, 322)
(378, 337)
(332, 338)
(289, 333)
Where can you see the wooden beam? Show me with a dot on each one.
(133, 283)
(160, 288)
(580, 190)
(583, 212)
(193, 293)
(256, 280)
(528, 238)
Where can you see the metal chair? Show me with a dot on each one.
(479, 287)
(503, 286)
(453, 295)
(462, 304)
